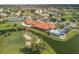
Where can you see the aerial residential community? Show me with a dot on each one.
(39, 29)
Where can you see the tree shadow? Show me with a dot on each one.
(10, 30)
(26, 50)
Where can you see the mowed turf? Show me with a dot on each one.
(14, 41)
(62, 47)
(11, 43)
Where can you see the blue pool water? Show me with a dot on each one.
(57, 32)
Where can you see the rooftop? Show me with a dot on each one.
(40, 24)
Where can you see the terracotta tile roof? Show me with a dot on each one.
(40, 24)
(28, 22)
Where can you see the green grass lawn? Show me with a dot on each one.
(48, 50)
(14, 41)
(69, 46)
(11, 43)
(9, 25)
(71, 34)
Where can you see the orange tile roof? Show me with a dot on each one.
(28, 22)
(40, 24)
